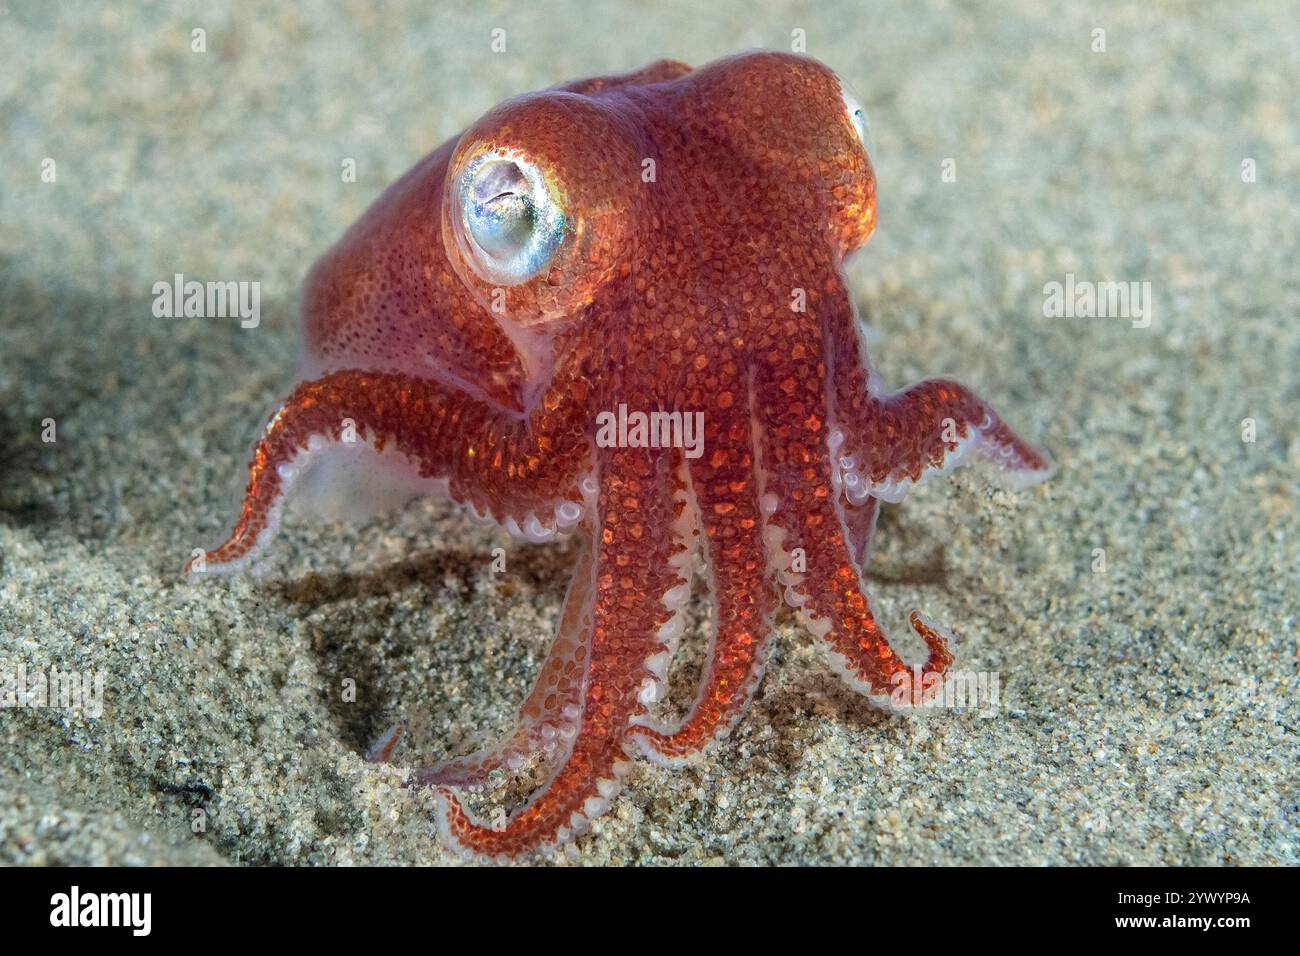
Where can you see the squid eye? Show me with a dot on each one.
(510, 222)
(858, 117)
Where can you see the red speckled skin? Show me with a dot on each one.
(713, 286)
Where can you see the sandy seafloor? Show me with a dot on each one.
(1150, 710)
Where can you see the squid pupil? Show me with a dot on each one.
(501, 219)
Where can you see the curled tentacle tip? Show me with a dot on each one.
(206, 565)
(196, 568)
(936, 638)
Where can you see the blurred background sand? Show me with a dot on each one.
(1150, 709)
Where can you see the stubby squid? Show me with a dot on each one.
(671, 241)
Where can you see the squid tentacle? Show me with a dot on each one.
(454, 444)
(635, 605)
(884, 445)
(829, 593)
(726, 486)
(895, 443)
(548, 718)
